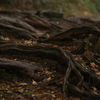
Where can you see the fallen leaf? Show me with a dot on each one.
(21, 90)
(34, 83)
(59, 99)
(22, 84)
(54, 45)
(49, 79)
(53, 95)
(93, 64)
(98, 73)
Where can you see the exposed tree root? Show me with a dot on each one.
(68, 62)
(78, 80)
(25, 68)
(78, 33)
(15, 32)
(19, 23)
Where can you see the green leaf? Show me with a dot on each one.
(30, 92)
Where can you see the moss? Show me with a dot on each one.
(72, 7)
(90, 5)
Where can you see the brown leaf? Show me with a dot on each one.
(98, 73)
(93, 64)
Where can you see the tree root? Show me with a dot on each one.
(15, 32)
(25, 68)
(78, 33)
(69, 64)
(19, 23)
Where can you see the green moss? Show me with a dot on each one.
(90, 5)
(72, 7)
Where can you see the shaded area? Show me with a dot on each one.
(56, 39)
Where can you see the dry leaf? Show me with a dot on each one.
(22, 84)
(49, 79)
(34, 83)
(59, 99)
(54, 45)
(93, 64)
(53, 95)
(98, 73)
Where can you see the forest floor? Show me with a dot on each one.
(18, 86)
